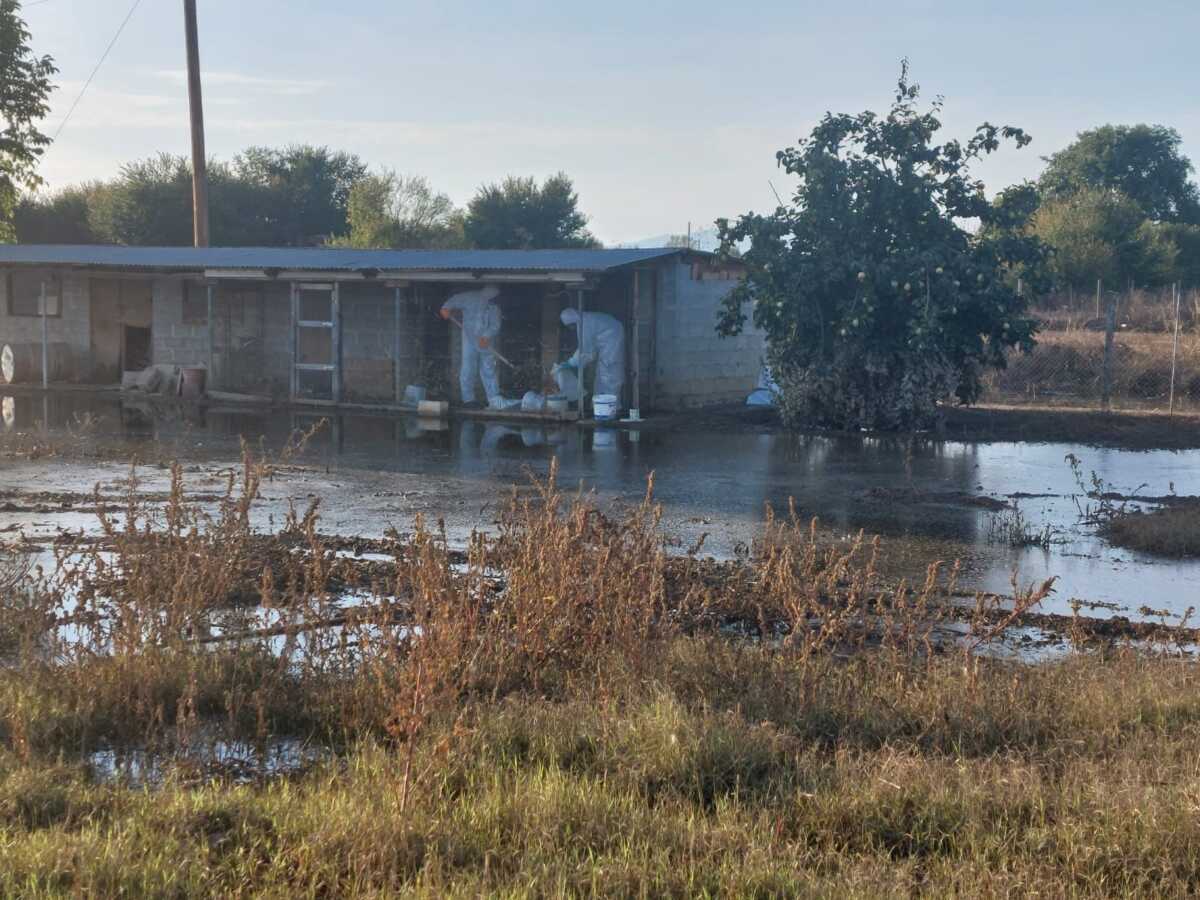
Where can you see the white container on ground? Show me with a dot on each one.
(604, 407)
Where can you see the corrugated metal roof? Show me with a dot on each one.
(324, 259)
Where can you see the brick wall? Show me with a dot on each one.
(72, 328)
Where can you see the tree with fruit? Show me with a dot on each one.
(886, 286)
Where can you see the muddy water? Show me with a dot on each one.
(930, 499)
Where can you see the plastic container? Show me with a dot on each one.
(414, 394)
(533, 402)
(604, 407)
(557, 404)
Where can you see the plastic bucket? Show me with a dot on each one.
(604, 407)
(414, 394)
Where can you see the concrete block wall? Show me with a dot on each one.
(72, 328)
(175, 342)
(694, 366)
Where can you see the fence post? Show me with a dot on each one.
(1110, 328)
(1174, 350)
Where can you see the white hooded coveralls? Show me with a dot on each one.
(603, 342)
(480, 319)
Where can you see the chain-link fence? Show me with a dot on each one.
(1128, 350)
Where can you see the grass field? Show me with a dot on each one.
(563, 709)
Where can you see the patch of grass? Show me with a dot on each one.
(1078, 777)
(1012, 528)
(1172, 530)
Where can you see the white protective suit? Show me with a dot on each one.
(603, 342)
(480, 322)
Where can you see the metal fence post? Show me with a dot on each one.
(1174, 350)
(1110, 328)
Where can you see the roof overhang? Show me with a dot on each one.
(397, 276)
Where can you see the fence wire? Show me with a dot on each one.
(1141, 352)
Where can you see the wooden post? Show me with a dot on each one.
(45, 342)
(212, 339)
(635, 404)
(335, 336)
(579, 338)
(1097, 298)
(1174, 350)
(196, 107)
(293, 382)
(1110, 328)
(397, 396)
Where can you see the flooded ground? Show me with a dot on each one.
(929, 499)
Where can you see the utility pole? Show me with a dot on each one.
(199, 166)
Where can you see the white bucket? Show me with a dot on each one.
(604, 406)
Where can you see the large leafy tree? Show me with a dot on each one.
(518, 214)
(1098, 233)
(305, 190)
(1141, 162)
(389, 210)
(150, 203)
(24, 101)
(876, 299)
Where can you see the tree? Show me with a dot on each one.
(1098, 233)
(305, 191)
(518, 215)
(294, 196)
(24, 101)
(58, 218)
(876, 301)
(149, 203)
(1141, 162)
(390, 210)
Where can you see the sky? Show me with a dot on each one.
(663, 113)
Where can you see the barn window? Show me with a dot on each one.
(25, 293)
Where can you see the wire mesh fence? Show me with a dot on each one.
(1128, 350)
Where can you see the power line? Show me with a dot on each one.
(103, 57)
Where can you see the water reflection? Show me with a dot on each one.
(715, 482)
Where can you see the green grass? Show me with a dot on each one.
(1080, 777)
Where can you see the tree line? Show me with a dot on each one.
(302, 196)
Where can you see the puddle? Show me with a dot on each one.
(236, 761)
(929, 499)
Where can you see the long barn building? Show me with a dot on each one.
(358, 326)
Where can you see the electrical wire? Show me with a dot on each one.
(103, 57)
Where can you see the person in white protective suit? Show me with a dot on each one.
(480, 326)
(602, 342)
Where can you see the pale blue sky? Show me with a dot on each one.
(661, 112)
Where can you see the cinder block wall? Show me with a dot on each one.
(175, 343)
(693, 365)
(72, 328)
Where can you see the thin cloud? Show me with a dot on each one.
(291, 87)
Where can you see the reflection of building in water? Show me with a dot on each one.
(360, 326)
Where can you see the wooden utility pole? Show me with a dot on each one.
(199, 166)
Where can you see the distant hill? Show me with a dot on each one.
(703, 239)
